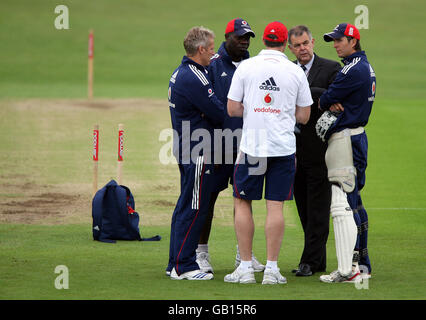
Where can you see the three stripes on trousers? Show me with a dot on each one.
(197, 183)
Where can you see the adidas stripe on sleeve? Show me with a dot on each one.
(199, 75)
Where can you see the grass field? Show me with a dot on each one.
(45, 149)
(45, 209)
(139, 43)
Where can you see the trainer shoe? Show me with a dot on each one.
(336, 276)
(191, 275)
(241, 276)
(271, 276)
(203, 260)
(257, 266)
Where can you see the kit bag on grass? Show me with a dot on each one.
(114, 215)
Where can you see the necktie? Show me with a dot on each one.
(303, 67)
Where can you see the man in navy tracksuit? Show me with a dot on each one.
(352, 94)
(195, 111)
(221, 69)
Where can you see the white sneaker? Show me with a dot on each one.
(191, 275)
(257, 266)
(203, 260)
(241, 276)
(336, 276)
(271, 276)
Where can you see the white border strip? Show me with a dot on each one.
(406, 209)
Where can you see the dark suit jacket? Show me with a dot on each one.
(310, 149)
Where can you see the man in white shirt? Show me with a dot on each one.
(271, 93)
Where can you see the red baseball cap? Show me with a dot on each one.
(341, 30)
(239, 27)
(275, 32)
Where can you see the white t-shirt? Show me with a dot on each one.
(269, 86)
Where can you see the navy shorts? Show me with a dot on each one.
(277, 173)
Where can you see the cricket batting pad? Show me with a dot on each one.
(345, 229)
(339, 160)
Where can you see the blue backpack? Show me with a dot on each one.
(114, 215)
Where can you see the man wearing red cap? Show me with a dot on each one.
(271, 93)
(347, 103)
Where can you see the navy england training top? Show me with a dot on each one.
(193, 105)
(221, 70)
(355, 88)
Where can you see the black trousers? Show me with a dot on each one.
(312, 193)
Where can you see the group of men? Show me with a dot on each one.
(286, 127)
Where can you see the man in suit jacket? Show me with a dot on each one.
(312, 190)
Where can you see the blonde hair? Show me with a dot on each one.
(197, 36)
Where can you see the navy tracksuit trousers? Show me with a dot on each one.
(359, 151)
(189, 215)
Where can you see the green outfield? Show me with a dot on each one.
(46, 125)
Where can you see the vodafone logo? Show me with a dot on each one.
(268, 99)
(210, 92)
(373, 87)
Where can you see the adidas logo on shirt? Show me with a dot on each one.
(269, 85)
